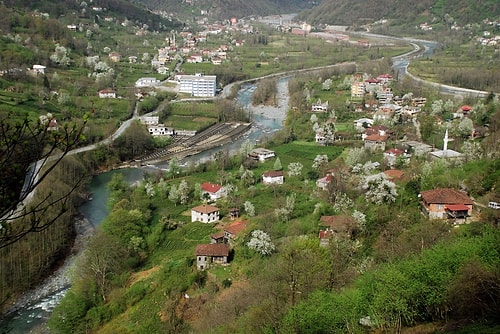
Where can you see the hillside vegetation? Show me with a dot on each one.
(401, 13)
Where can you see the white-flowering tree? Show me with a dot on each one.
(295, 168)
(360, 219)
(320, 161)
(183, 192)
(342, 203)
(327, 84)
(355, 156)
(379, 189)
(437, 107)
(283, 214)
(150, 189)
(472, 150)
(465, 127)
(314, 118)
(173, 194)
(249, 208)
(61, 55)
(261, 242)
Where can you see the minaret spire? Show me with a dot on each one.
(445, 140)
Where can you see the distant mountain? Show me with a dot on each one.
(225, 9)
(400, 12)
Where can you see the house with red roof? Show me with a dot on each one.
(212, 191)
(323, 182)
(209, 254)
(335, 226)
(205, 213)
(446, 203)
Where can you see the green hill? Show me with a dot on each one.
(357, 12)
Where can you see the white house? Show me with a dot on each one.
(214, 191)
(146, 82)
(205, 214)
(261, 154)
(107, 94)
(39, 69)
(273, 177)
(160, 130)
(319, 107)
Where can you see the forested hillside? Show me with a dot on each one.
(225, 9)
(400, 12)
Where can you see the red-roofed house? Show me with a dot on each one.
(213, 191)
(391, 154)
(273, 177)
(205, 214)
(341, 225)
(207, 254)
(375, 142)
(394, 174)
(324, 181)
(446, 203)
(232, 231)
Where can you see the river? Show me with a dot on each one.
(35, 307)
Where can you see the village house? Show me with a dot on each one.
(107, 94)
(114, 57)
(39, 69)
(273, 177)
(212, 191)
(363, 123)
(340, 226)
(261, 154)
(229, 233)
(375, 142)
(391, 155)
(444, 203)
(205, 213)
(160, 130)
(209, 254)
(323, 182)
(146, 82)
(319, 106)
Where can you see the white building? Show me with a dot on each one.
(146, 82)
(160, 130)
(205, 214)
(261, 154)
(198, 85)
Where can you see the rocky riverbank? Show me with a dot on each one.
(52, 289)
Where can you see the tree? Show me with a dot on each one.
(249, 208)
(277, 164)
(295, 169)
(29, 152)
(379, 189)
(260, 241)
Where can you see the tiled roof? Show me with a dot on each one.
(273, 173)
(210, 187)
(212, 250)
(205, 208)
(446, 196)
(394, 174)
(376, 138)
(236, 227)
(338, 222)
